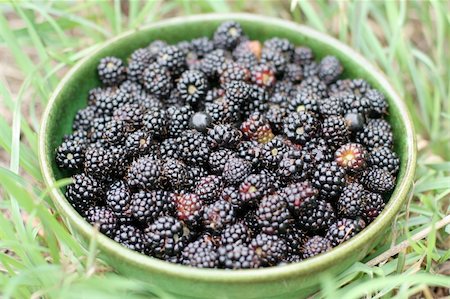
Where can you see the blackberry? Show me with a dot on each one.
(300, 197)
(130, 237)
(165, 237)
(137, 63)
(318, 218)
(238, 257)
(130, 114)
(218, 159)
(173, 59)
(111, 70)
(200, 121)
(330, 106)
(291, 166)
(149, 101)
(193, 174)
(238, 92)
(273, 215)
(201, 254)
(156, 80)
(231, 195)
(118, 199)
(374, 205)
(202, 46)
(352, 157)
(377, 102)
(257, 101)
(358, 87)
(303, 55)
(192, 86)
(275, 59)
(209, 188)
(316, 151)
(189, 208)
(212, 62)
(384, 158)
(354, 104)
(144, 173)
(351, 202)
(329, 178)
(282, 45)
(175, 173)
(115, 132)
(244, 48)
(155, 47)
(271, 249)
(232, 71)
(83, 118)
(300, 127)
(155, 122)
(98, 92)
(285, 88)
(100, 162)
(147, 206)
(251, 222)
(222, 110)
(107, 104)
(227, 35)
(378, 180)
(313, 85)
(311, 70)
(135, 90)
(194, 148)
(315, 246)
(295, 238)
(178, 119)
(70, 154)
(235, 170)
(218, 215)
(273, 152)
(263, 75)
(304, 102)
(335, 131)
(275, 115)
(224, 136)
(257, 128)
(250, 151)
(254, 187)
(84, 192)
(344, 229)
(169, 148)
(235, 234)
(293, 73)
(138, 143)
(103, 218)
(379, 124)
(329, 69)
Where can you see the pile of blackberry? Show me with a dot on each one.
(226, 152)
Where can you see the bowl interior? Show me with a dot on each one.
(72, 93)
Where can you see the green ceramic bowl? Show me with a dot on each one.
(294, 280)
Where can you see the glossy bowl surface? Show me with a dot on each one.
(290, 281)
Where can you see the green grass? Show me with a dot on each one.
(408, 40)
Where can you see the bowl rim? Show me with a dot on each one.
(238, 276)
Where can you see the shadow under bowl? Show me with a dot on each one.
(290, 281)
